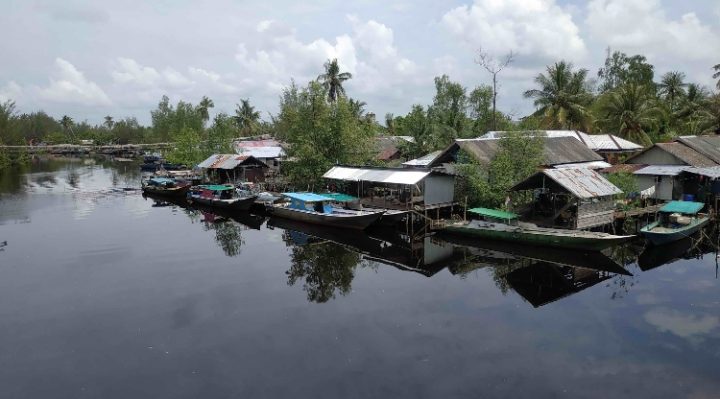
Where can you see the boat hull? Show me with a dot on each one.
(659, 238)
(539, 238)
(346, 221)
(175, 192)
(238, 204)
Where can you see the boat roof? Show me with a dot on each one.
(308, 197)
(494, 213)
(682, 207)
(377, 175)
(340, 197)
(161, 180)
(216, 187)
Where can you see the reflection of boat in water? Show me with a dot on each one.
(378, 245)
(657, 255)
(505, 226)
(565, 257)
(543, 283)
(677, 220)
(248, 219)
(316, 209)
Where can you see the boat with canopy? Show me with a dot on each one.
(220, 196)
(676, 220)
(317, 209)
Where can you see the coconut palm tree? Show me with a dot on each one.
(630, 109)
(716, 75)
(357, 107)
(246, 118)
(333, 79)
(672, 87)
(563, 97)
(109, 123)
(203, 108)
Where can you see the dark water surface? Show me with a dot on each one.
(106, 294)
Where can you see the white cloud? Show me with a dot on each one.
(643, 26)
(11, 92)
(528, 27)
(681, 324)
(129, 71)
(70, 86)
(369, 53)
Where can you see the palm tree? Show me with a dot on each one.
(246, 118)
(562, 98)
(672, 86)
(357, 108)
(109, 123)
(204, 106)
(629, 109)
(333, 79)
(390, 124)
(716, 75)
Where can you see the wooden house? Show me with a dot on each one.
(234, 168)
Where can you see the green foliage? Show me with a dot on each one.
(332, 80)
(417, 125)
(321, 133)
(187, 148)
(447, 111)
(625, 181)
(620, 70)
(220, 135)
(246, 118)
(629, 110)
(563, 97)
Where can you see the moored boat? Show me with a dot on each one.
(165, 187)
(316, 209)
(676, 220)
(506, 227)
(221, 196)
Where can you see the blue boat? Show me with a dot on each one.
(316, 209)
(676, 220)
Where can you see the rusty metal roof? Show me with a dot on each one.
(557, 151)
(709, 146)
(582, 182)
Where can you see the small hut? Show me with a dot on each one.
(235, 168)
(571, 198)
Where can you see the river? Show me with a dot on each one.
(107, 294)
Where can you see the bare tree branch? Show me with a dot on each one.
(494, 66)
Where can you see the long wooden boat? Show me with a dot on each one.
(531, 234)
(315, 209)
(677, 220)
(220, 196)
(165, 187)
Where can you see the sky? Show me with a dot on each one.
(88, 59)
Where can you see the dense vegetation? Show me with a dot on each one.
(323, 125)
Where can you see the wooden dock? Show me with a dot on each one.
(620, 215)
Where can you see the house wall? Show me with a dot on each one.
(656, 156)
(439, 189)
(594, 214)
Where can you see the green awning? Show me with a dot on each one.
(493, 213)
(339, 197)
(682, 207)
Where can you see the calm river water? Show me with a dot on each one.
(106, 294)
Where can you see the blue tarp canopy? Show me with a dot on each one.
(307, 197)
(682, 207)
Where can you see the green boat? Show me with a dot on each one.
(505, 226)
(676, 220)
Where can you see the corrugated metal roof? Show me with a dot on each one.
(262, 151)
(709, 146)
(581, 182)
(712, 172)
(225, 161)
(661, 170)
(557, 151)
(596, 142)
(623, 167)
(588, 165)
(396, 176)
(686, 154)
(424, 160)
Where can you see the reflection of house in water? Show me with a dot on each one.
(425, 256)
(540, 275)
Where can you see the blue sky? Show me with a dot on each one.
(89, 59)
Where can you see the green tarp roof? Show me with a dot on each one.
(216, 187)
(339, 197)
(493, 213)
(682, 207)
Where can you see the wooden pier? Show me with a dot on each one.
(620, 215)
